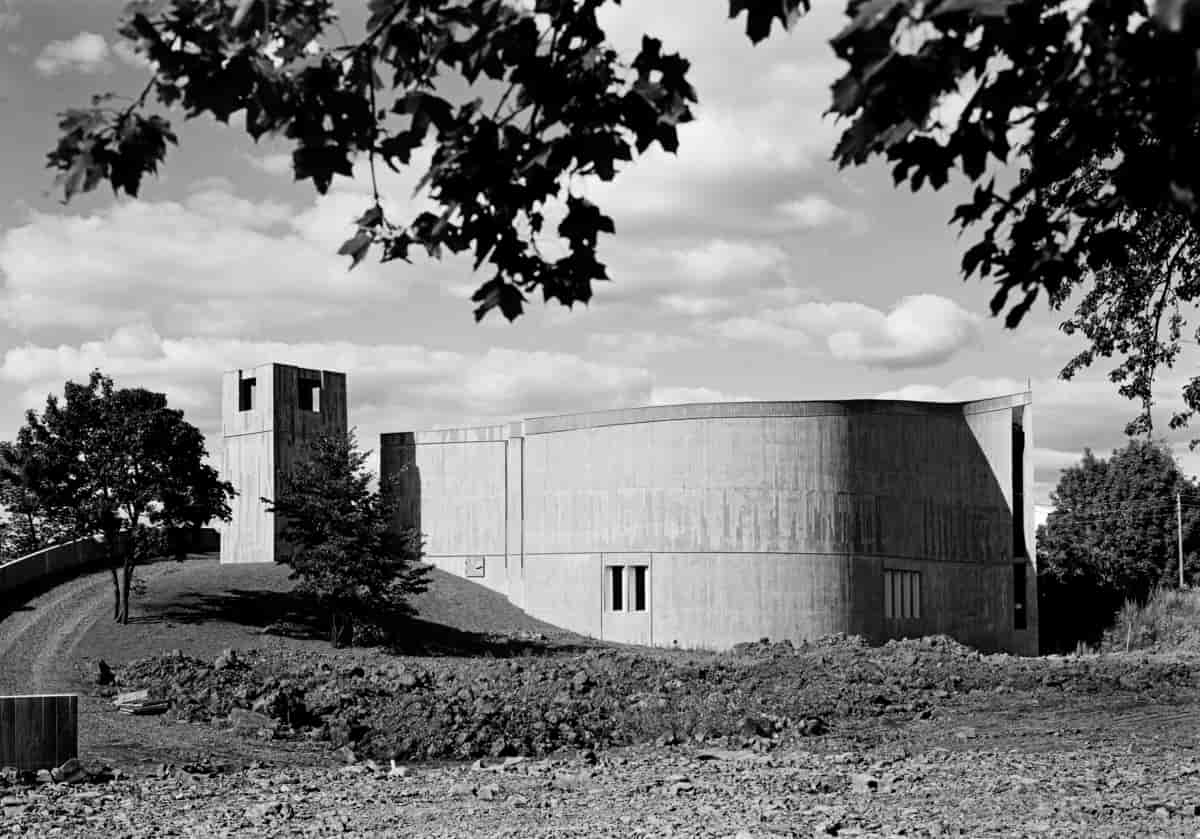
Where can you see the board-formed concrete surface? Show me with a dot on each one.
(269, 414)
(709, 525)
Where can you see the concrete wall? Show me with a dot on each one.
(56, 560)
(754, 520)
(82, 554)
(264, 442)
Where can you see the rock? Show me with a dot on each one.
(407, 680)
(966, 732)
(462, 789)
(262, 811)
(71, 772)
(104, 674)
(346, 755)
(488, 792)
(863, 784)
(752, 726)
(228, 658)
(243, 719)
(812, 727)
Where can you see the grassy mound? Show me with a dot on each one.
(1169, 621)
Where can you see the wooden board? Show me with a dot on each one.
(38, 732)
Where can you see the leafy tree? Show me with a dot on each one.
(122, 465)
(522, 102)
(1112, 536)
(31, 525)
(343, 550)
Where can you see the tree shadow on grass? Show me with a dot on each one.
(296, 616)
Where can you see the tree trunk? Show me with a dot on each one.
(116, 581)
(128, 574)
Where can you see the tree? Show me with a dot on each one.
(1112, 536)
(523, 102)
(32, 524)
(121, 465)
(343, 550)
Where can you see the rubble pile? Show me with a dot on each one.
(370, 705)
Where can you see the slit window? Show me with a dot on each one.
(639, 588)
(901, 594)
(616, 588)
(1020, 613)
(310, 395)
(246, 389)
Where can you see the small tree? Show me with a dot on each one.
(122, 465)
(1112, 537)
(343, 550)
(30, 524)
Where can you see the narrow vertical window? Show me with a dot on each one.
(616, 587)
(246, 388)
(639, 588)
(1020, 616)
(901, 594)
(1019, 548)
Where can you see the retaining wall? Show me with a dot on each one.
(83, 554)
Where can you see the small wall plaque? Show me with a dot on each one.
(475, 566)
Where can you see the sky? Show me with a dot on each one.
(745, 267)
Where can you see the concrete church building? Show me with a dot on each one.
(706, 525)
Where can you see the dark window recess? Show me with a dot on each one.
(1018, 486)
(310, 395)
(1020, 612)
(639, 588)
(901, 594)
(246, 388)
(616, 587)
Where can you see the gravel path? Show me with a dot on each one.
(35, 637)
(1076, 791)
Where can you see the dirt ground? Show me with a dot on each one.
(916, 740)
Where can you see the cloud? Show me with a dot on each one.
(920, 331)
(639, 345)
(965, 389)
(10, 18)
(272, 164)
(719, 261)
(394, 387)
(695, 277)
(813, 211)
(214, 263)
(86, 53)
(125, 51)
(691, 395)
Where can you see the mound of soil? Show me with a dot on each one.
(533, 704)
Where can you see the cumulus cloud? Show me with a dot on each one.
(813, 210)
(125, 51)
(393, 387)
(86, 53)
(272, 164)
(697, 277)
(212, 263)
(919, 331)
(639, 345)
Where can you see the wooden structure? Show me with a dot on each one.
(38, 732)
(269, 415)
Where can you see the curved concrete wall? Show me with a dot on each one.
(754, 520)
